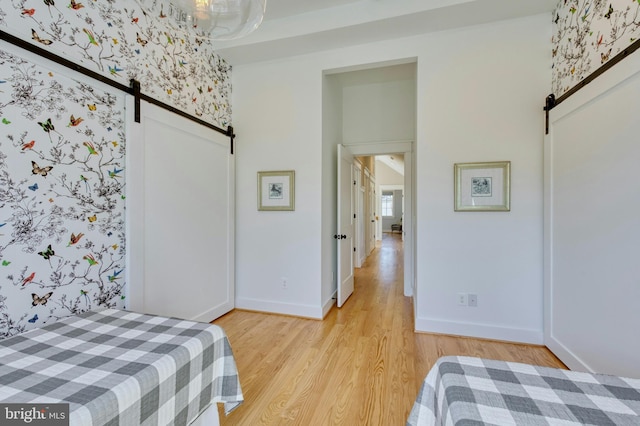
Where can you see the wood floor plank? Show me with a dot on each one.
(362, 365)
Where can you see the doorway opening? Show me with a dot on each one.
(378, 202)
(369, 114)
(383, 203)
(358, 207)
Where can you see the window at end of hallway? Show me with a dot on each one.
(387, 204)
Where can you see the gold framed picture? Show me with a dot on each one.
(276, 190)
(482, 186)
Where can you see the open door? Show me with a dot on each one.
(344, 234)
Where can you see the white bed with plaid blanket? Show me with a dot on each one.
(475, 391)
(122, 368)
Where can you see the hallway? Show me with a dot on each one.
(362, 365)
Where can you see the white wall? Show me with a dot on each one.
(479, 98)
(482, 102)
(278, 121)
(379, 105)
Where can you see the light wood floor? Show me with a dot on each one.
(362, 365)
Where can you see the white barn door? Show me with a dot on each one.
(592, 227)
(180, 217)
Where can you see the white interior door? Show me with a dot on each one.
(360, 251)
(358, 218)
(372, 209)
(180, 200)
(368, 214)
(344, 234)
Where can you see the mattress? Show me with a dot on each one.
(116, 367)
(470, 391)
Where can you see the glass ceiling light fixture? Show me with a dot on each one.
(220, 19)
(212, 19)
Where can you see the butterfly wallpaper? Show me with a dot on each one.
(62, 237)
(587, 34)
(62, 145)
(123, 41)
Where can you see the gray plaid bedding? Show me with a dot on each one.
(116, 367)
(475, 391)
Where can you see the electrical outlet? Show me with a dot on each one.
(462, 299)
(284, 282)
(473, 300)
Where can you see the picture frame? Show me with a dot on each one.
(482, 186)
(276, 190)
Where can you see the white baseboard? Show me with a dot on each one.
(482, 331)
(304, 311)
(213, 313)
(565, 355)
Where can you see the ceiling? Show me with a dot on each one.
(295, 27)
(393, 161)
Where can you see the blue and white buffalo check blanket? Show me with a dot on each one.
(475, 391)
(122, 368)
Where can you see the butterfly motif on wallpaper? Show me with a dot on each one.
(37, 300)
(609, 12)
(47, 126)
(34, 187)
(36, 37)
(34, 319)
(47, 253)
(42, 171)
(140, 40)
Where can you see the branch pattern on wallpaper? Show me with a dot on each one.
(587, 34)
(62, 237)
(119, 40)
